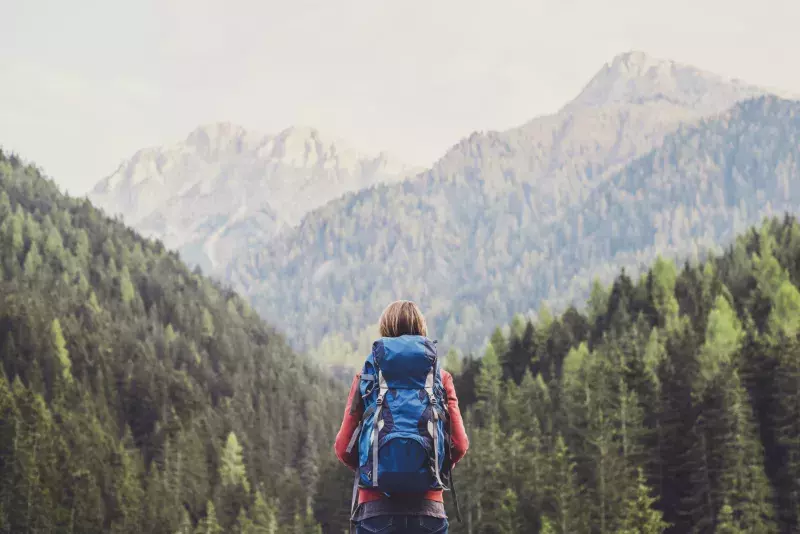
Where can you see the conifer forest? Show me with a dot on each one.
(137, 395)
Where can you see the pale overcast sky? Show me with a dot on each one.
(84, 84)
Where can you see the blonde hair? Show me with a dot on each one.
(402, 317)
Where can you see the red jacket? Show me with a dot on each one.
(351, 420)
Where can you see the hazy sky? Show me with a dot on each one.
(83, 85)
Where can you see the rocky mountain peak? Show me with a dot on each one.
(638, 78)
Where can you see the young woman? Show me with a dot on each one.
(409, 513)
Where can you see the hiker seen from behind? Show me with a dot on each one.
(402, 431)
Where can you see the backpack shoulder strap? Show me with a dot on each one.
(433, 423)
(377, 425)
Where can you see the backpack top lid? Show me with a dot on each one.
(405, 360)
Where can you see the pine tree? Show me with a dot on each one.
(33, 261)
(14, 244)
(499, 343)
(547, 526)
(243, 523)
(126, 289)
(94, 305)
(209, 524)
(517, 327)
(787, 426)
(640, 515)
(573, 364)
(506, 521)
(232, 469)
(564, 493)
(611, 422)
(309, 523)
(208, 324)
(723, 339)
(186, 524)
(784, 319)
(726, 524)
(35, 468)
(82, 248)
(487, 387)
(128, 491)
(60, 349)
(662, 289)
(9, 416)
(598, 301)
(519, 355)
(646, 383)
(54, 244)
(156, 494)
(5, 205)
(453, 362)
(744, 482)
(169, 334)
(264, 516)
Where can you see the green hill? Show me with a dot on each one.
(673, 401)
(137, 396)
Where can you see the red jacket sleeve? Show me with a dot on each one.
(352, 417)
(459, 433)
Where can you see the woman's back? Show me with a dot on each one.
(402, 430)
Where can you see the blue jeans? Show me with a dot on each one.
(402, 524)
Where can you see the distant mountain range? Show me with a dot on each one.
(211, 194)
(651, 157)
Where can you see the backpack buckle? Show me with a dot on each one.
(380, 400)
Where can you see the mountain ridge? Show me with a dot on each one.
(637, 76)
(206, 195)
(444, 201)
(492, 194)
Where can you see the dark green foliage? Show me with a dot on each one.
(673, 407)
(137, 396)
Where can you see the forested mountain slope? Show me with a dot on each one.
(671, 405)
(705, 185)
(473, 257)
(136, 396)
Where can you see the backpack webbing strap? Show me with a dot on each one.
(433, 424)
(354, 502)
(455, 498)
(376, 427)
(452, 480)
(354, 438)
(357, 431)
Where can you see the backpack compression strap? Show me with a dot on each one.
(433, 424)
(377, 426)
(356, 433)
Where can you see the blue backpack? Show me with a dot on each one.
(402, 440)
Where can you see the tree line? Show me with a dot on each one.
(670, 404)
(138, 396)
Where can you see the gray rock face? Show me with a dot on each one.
(224, 186)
